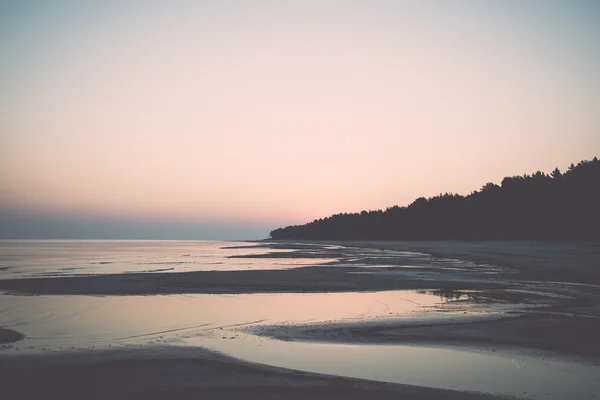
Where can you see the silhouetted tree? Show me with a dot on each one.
(556, 174)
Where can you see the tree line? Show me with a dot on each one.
(540, 206)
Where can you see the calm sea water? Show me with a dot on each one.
(55, 258)
(52, 258)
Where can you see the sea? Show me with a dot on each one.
(55, 258)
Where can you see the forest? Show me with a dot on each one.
(555, 207)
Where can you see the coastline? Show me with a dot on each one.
(563, 336)
(560, 317)
(186, 373)
(577, 262)
(312, 279)
(563, 310)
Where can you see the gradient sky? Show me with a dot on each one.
(225, 119)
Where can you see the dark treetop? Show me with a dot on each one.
(529, 207)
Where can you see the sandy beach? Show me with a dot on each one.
(489, 299)
(163, 372)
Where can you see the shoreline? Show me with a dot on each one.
(168, 372)
(310, 279)
(577, 262)
(495, 265)
(546, 315)
(525, 332)
(562, 311)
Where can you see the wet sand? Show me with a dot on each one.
(567, 318)
(172, 373)
(558, 284)
(9, 336)
(304, 279)
(359, 266)
(569, 335)
(568, 262)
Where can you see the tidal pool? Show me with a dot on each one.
(66, 323)
(57, 321)
(503, 372)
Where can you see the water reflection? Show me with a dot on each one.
(59, 323)
(449, 294)
(53, 258)
(55, 321)
(503, 373)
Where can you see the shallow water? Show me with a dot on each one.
(52, 322)
(55, 258)
(64, 323)
(499, 372)
(52, 258)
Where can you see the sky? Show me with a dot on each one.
(226, 119)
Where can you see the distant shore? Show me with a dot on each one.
(556, 206)
(515, 261)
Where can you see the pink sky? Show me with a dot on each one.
(282, 112)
